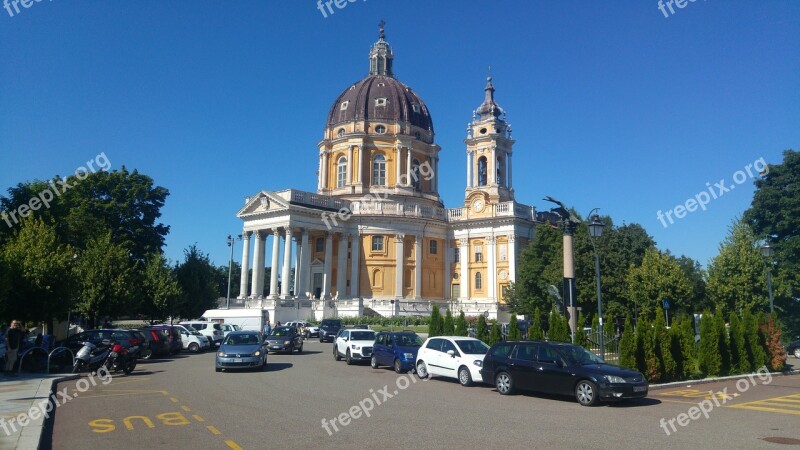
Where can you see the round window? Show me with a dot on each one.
(340, 132)
(380, 129)
(483, 130)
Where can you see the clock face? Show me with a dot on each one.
(503, 274)
(477, 205)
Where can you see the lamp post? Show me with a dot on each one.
(595, 231)
(230, 240)
(768, 252)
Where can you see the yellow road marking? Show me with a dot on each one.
(118, 395)
(173, 399)
(788, 404)
(213, 430)
(186, 408)
(760, 408)
(677, 401)
(137, 380)
(198, 418)
(233, 445)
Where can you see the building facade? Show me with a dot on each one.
(376, 237)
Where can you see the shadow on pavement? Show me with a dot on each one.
(277, 367)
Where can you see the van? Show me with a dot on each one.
(211, 330)
(246, 319)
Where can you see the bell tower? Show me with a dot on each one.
(489, 150)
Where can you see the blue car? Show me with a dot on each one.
(397, 349)
(241, 350)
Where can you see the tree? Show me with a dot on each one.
(535, 332)
(221, 279)
(559, 329)
(513, 329)
(722, 338)
(449, 325)
(687, 364)
(775, 213)
(627, 345)
(662, 346)
(658, 278)
(736, 277)
(653, 367)
(756, 355)
(709, 359)
(539, 267)
(481, 331)
(495, 336)
(160, 288)
(461, 325)
(775, 351)
(38, 270)
(107, 280)
(739, 362)
(196, 278)
(580, 335)
(642, 336)
(436, 326)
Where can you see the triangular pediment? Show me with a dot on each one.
(317, 262)
(262, 202)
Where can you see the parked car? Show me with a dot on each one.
(328, 329)
(361, 327)
(211, 330)
(284, 339)
(397, 349)
(559, 368)
(311, 330)
(793, 349)
(354, 345)
(299, 325)
(126, 338)
(227, 328)
(241, 350)
(164, 340)
(193, 340)
(457, 357)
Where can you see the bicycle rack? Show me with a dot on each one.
(56, 350)
(25, 353)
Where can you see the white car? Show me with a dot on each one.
(227, 328)
(456, 357)
(211, 330)
(354, 345)
(193, 340)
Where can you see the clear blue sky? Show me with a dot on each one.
(612, 104)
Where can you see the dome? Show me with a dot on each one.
(380, 98)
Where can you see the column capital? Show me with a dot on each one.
(399, 237)
(246, 235)
(276, 232)
(463, 242)
(490, 240)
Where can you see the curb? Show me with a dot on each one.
(45, 424)
(655, 387)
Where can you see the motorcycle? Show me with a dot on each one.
(92, 357)
(122, 359)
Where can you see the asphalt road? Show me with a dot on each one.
(182, 402)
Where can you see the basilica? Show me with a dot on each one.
(376, 238)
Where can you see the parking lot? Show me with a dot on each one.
(182, 403)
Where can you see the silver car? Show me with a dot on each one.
(241, 350)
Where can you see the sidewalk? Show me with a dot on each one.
(17, 396)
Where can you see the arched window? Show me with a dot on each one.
(482, 171)
(499, 179)
(415, 181)
(379, 170)
(341, 172)
(478, 281)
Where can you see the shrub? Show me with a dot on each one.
(461, 325)
(662, 348)
(739, 362)
(435, 328)
(535, 332)
(688, 364)
(627, 345)
(449, 328)
(775, 352)
(724, 346)
(495, 335)
(513, 329)
(709, 359)
(580, 335)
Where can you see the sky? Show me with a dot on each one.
(614, 105)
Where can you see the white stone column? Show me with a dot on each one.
(325, 170)
(245, 264)
(341, 268)
(298, 262)
(276, 249)
(418, 239)
(398, 158)
(398, 279)
(463, 257)
(257, 284)
(287, 264)
(469, 171)
(355, 267)
(491, 167)
(319, 177)
(491, 264)
(359, 165)
(512, 258)
(447, 277)
(305, 265)
(326, 283)
(408, 167)
(350, 166)
(508, 174)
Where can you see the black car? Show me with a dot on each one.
(793, 349)
(558, 368)
(328, 329)
(164, 340)
(284, 339)
(126, 338)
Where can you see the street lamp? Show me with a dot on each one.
(230, 240)
(768, 252)
(595, 231)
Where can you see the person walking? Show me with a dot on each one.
(13, 343)
(267, 328)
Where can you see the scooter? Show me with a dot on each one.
(91, 357)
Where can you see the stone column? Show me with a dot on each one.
(359, 165)
(469, 171)
(319, 178)
(418, 239)
(245, 264)
(508, 174)
(325, 170)
(273, 279)
(355, 268)
(491, 271)
(408, 167)
(326, 283)
(350, 166)
(298, 262)
(398, 158)
(398, 279)
(341, 268)
(512, 258)
(447, 277)
(257, 284)
(463, 250)
(287, 264)
(305, 265)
